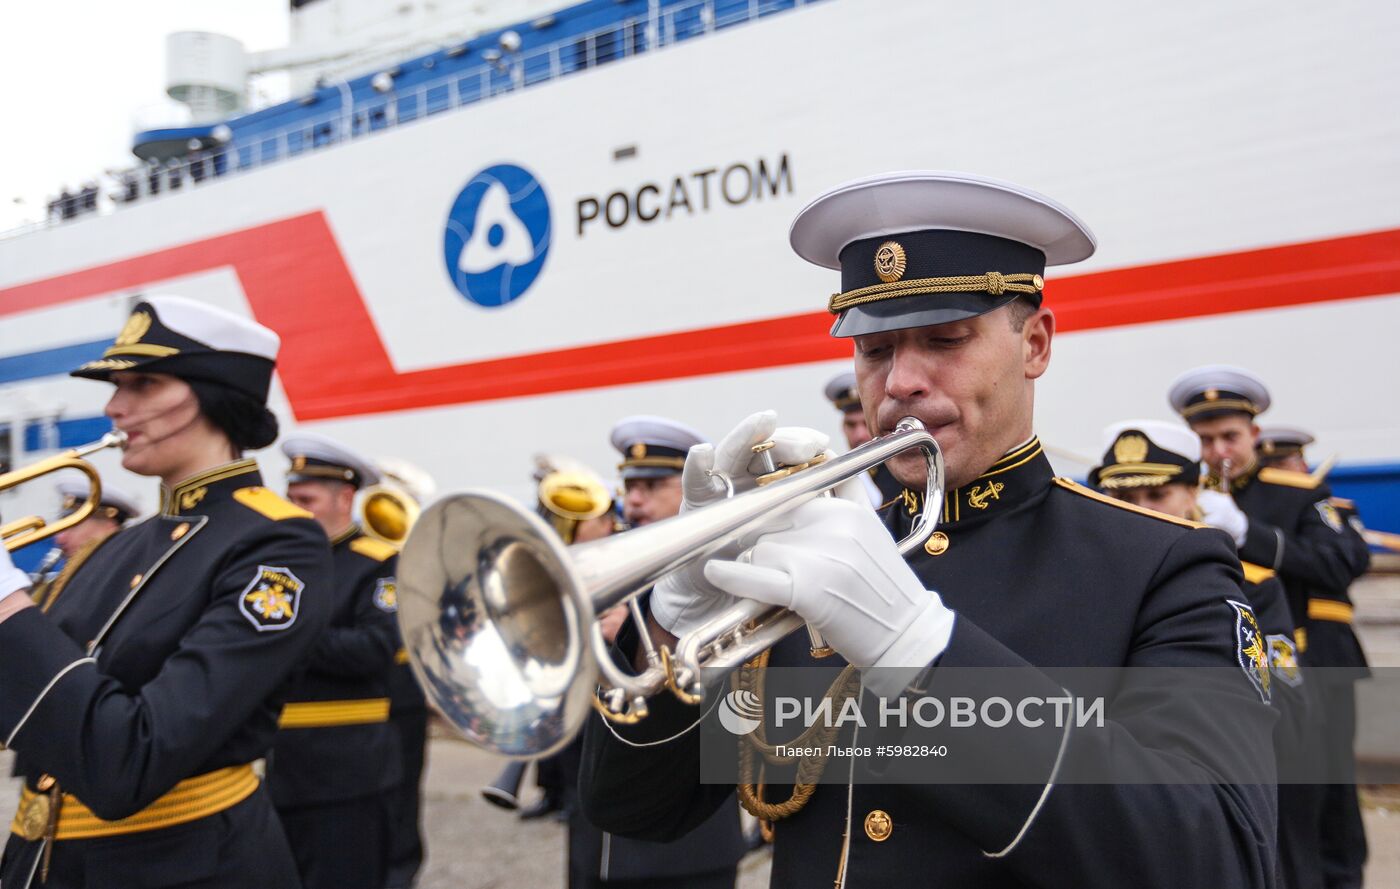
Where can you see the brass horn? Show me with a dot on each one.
(31, 529)
(498, 617)
(387, 513)
(568, 497)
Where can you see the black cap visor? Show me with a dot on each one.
(915, 311)
(248, 374)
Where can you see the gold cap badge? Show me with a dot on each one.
(890, 262)
(1130, 449)
(135, 328)
(638, 451)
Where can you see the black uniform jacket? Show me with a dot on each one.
(336, 742)
(165, 656)
(405, 696)
(1265, 593)
(1039, 572)
(1297, 736)
(714, 844)
(1296, 530)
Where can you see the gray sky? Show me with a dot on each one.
(76, 72)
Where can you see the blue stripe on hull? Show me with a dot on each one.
(50, 362)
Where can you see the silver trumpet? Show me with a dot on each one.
(497, 614)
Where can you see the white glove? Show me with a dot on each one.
(1220, 511)
(683, 599)
(12, 579)
(835, 564)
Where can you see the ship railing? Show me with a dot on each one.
(501, 73)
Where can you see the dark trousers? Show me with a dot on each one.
(1300, 834)
(720, 879)
(1343, 833)
(340, 845)
(405, 830)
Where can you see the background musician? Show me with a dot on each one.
(336, 758)
(114, 509)
(1286, 521)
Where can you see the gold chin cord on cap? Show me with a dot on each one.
(993, 283)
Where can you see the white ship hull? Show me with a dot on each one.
(1237, 162)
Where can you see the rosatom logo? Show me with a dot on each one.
(497, 235)
(740, 712)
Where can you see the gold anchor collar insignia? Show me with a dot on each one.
(195, 491)
(979, 495)
(1018, 474)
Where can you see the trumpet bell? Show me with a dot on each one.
(388, 514)
(494, 620)
(568, 497)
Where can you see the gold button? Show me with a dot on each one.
(44, 782)
(878, 825)
(135, 581)
(179, 531)
(1038, 282)
(937, 544)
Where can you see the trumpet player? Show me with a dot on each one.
(336, 758)
(1156, 465)
(1287, 521)
(138, 702)
(1282, 447)
(941, 295)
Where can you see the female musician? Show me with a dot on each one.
(138, 699)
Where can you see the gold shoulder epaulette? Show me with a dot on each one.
(267, 502)
(1274, 476)
(374, 549)
(1342, 502)
(1076, 488)
(1256, 573)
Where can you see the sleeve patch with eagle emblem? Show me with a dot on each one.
(271, 600)
(1283, 659)
(1329, 515)
(386, 595)
(1251, 648)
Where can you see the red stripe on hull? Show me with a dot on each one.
(334, 363)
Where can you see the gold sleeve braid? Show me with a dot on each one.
(809, 769)
(994, 283)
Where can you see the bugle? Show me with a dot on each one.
(31, 529)
(387, 513)
(498, 617)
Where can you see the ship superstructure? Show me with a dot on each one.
(499, 242)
